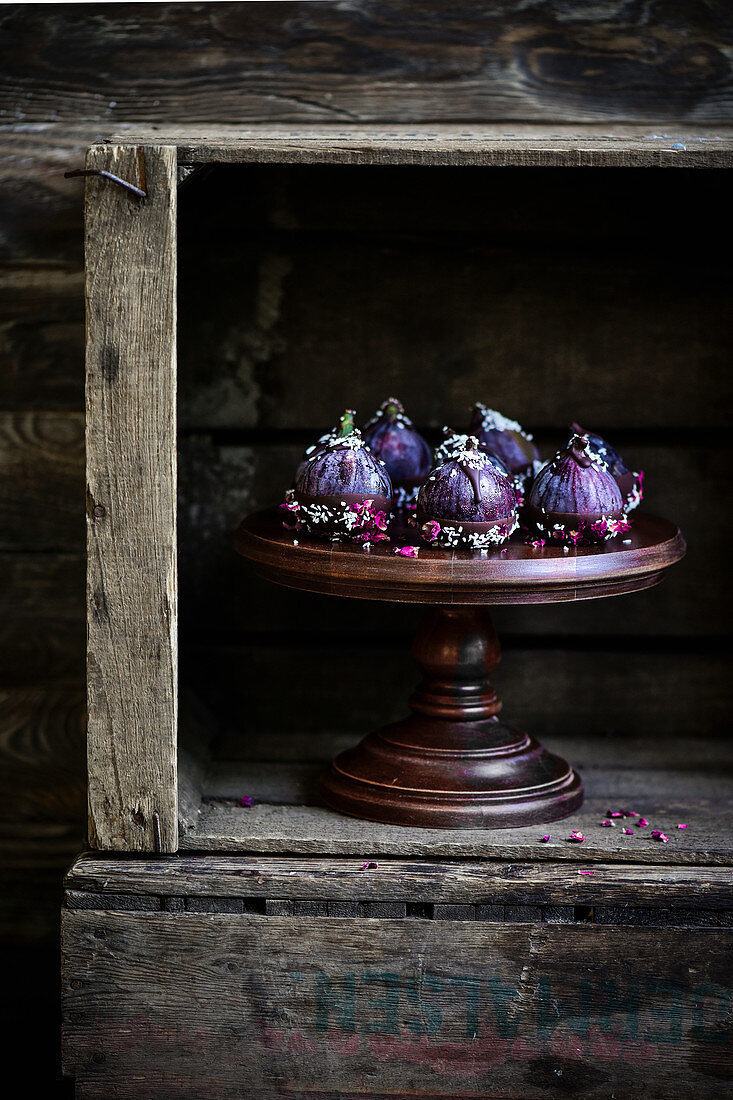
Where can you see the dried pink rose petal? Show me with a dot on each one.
(664, 839)
(407, 551)
(681, 826)
(576, 836)
(629, 813)
(246, 800)
(629, 832)
(369, 865)
(544, 839)
(642, 823)
(586, 872)
(431, 529)
(615, 813)
(609, 824)
(656, 832)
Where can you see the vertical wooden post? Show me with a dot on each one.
(131, 499)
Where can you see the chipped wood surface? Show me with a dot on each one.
(524, 146)
(388, 1007)
(505, 882)
(131, 501)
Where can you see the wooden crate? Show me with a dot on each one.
(149, 787)
(261, 959)
(283, 976)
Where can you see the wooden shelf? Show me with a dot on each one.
(692, 785)
(498, 145)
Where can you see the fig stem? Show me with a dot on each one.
(392, 408)
(346, 424)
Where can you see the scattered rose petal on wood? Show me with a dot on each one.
(615, 813)
(656, 832)
(629, 832)
(246, 800)
(681, 826)
(576, 836)
(407, 551)
(586, 872)
(664, 839)
(609, 824)
(545, 838)
(642, 823)
(369, 865)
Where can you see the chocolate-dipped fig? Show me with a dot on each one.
(575, 499)
(630, 482)
(506, 439)
(467, 501)
(391, 436)
(342, 491)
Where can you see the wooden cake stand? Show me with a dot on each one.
(452, 763)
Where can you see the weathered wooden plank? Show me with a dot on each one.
(41, 480)
(320, 61)
(41, 336)
(311, 830)
(435, 145)
(131, 501)
(389, 1007)
(42, 630)
(220, 483)
(42, 735)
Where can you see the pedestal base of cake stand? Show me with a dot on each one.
(452, 764)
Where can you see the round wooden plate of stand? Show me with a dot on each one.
(453, 763)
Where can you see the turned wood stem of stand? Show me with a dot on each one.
(452, 763)
(457, 649)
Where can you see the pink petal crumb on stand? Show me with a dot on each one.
(586, 872)
(642, 823)
(545, 838)
(369, 865)
(576, 836)
(246, 800)
(407, 551)
(629, 832)
(681, 826)
(608, 824)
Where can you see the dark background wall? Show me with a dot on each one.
(72, 74)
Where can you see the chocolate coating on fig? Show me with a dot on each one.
(467, 501)
(505, 438)
(574, 497)
(392, 437)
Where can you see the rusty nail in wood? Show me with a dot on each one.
(107, 176)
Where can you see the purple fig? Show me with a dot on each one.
(342, 490)
(467, 501)
(630, 482)
(391, 436)
(456, 441)
(504, 438)
(575, 499)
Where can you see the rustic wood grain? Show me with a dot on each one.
(42, 741)
(42, 629)
(131, 491)
(321, 61)
(466, 882)
(437, 1008)
(41, 486)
